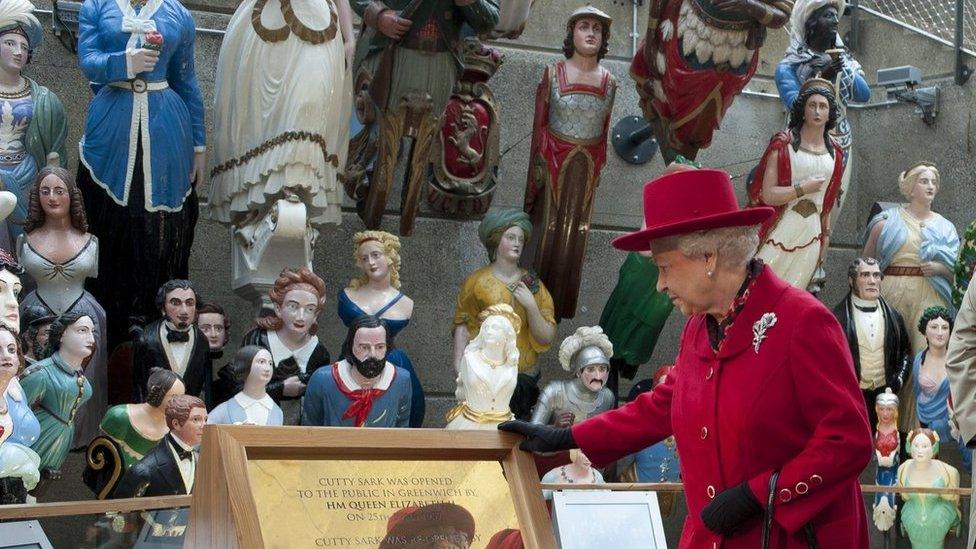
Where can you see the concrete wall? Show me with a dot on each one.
(442, 252)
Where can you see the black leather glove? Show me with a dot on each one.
(730, 509)
(540, 438)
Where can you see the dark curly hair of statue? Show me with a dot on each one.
(797, 113)
(76, 206)
(32, 318)
(932, 313)
(360, 322)
(58, 327)
(569, 48)
(160, 382)
(215, 309)
(169, 286)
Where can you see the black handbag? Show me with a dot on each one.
(767, 524)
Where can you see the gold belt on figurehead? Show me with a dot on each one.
(463, 409)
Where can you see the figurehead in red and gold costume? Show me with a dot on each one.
(573, 104)
(696, 57)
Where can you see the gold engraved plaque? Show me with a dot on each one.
(385, 504)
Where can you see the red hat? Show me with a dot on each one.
(506, 539)
(687, 201)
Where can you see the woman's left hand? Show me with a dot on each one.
(730, 509)
(199, 168)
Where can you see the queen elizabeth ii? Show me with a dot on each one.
(757, 356)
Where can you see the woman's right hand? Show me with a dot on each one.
(523, 295)
(540, 438)
(293, 387)
(143, 60)
(813, 184)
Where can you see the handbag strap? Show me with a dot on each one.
(811, 537)
(767, 524)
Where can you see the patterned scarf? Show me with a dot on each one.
(716, 329)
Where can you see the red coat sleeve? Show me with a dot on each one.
(831, 404)
(645, 421)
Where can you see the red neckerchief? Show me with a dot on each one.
(717, 330)
(361, 400)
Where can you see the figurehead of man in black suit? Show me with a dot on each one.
(170, 468)
(863, 306)
(174, 342)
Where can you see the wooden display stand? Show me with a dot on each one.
(225, 513)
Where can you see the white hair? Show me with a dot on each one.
(733, 246)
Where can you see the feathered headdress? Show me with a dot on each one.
(583, 337)
(18, 14)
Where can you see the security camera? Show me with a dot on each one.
(906, 77)
(901, 83)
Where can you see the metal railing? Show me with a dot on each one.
(949, 22)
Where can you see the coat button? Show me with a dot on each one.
(704, 433)
(816, 480)
(785, 495)
(710, 491)
(709, 373)
(801, 488)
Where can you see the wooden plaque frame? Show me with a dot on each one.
(224, 513)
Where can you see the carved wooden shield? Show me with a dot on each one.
(465, 157)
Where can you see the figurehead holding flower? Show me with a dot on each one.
(143, 153)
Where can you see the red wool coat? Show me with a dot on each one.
(738, 415)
